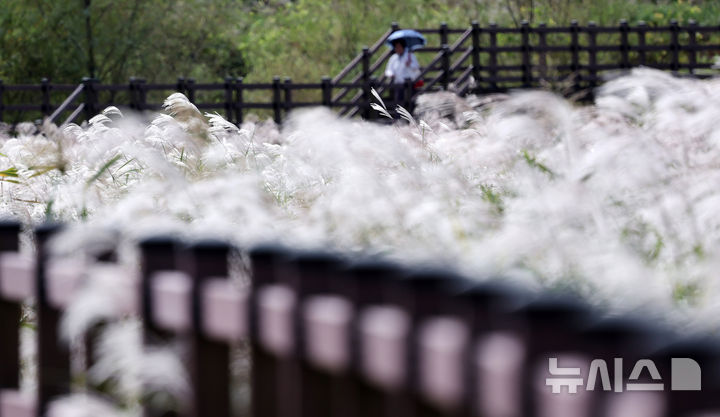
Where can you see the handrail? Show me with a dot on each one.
(73, 115)
(61, 108)
(349, 67)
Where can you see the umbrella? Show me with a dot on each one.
(413, 39)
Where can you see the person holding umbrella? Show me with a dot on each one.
(403, 64)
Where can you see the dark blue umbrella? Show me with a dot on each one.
(413, 39)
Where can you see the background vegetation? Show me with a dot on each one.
(208, 39)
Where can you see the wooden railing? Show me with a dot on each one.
(475, 60)
(334, 336)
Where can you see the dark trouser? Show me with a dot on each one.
(398, 95)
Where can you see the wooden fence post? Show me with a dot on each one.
(276, 99)
(366, 82)
(675, 45)
(10, 315)
(624, 45)
(592, 53)
(53, 358)
(180, 86)
(265, 261)
(368, 284)
(526, 64)
(156, 254)
(692, 45)
(287, 86)
(326, 92)
(210, 360)
(493, 57)
(575, 51)
(91, 99)
(443, 33)
(476, 52)
(133, 90)
(445, 66)
(542, 54)
(45, 90)
(239, 100)
(641, 30)
(142, 94)
(190, 85)
(314, 274)
(229, 103)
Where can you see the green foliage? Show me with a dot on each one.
(155, 39)
(305, 39)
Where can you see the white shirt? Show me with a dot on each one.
(402, 66)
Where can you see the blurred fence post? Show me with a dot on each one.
(542, 53)
(445, 66)
(141, 94)
(366, 83)
(53, 357)
(156, 254)
(326, 92)
(642, 29)
(91, 99)
(592, 53)
(45, 90)
(476, 52)
(692, 45)
(443, 32)
(276, 99)
(264, 266)
(239, 100)
(190, 85)
(181, 86)
(287, 86)
(624, 44)
(229, 103)
(526, 65)
(210, 360)
(493, 57)
(575, 51)
(10, 315)
(675, 45)
(132, 88)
